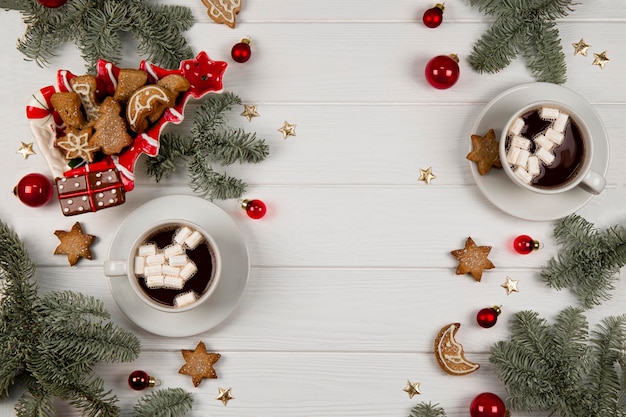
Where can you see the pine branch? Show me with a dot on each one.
(427, 410)
(210, 184)
(172, 148)
(232, 146)
(35, 405)
(544, 55)
(170, 402)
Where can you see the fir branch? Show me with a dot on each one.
(172, 149)
(427, 410)
(35, 405)
(589, 261)
(170, 402)
(207, 183)
(544, 55)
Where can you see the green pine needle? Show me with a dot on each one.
(427, 410)
(210, 141)
(170, 402)
(522, 27)
(96, 27)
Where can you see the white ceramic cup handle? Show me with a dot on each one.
(593, 182)
(113, 268)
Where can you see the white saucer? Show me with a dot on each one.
(499, 189)
(235, 266)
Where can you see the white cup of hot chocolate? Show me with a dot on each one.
(173, 266)
(546, 147)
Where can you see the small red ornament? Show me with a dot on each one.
(52, 4)
(139, 380)
(241, 52)
(442, 71)
(524, 244)
(487, 404)
(487, 317)
(254, 208)
(34, 190)
(433, 17)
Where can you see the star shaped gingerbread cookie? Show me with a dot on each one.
(199, 364)
(75, 244)
(472, 259)
(485, 152)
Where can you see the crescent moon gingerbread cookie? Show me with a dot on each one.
(450, 354)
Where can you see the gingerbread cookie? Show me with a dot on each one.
(128, 81)
(111, 133)
(146, 105)
(85, 86)
(75, 244)
(175, 83)
(76, 144)
(485, 152)
(223, 11)
(450, 354)
(68, 106)
(199, 364)
(472, 259)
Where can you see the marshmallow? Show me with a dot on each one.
(554, 136)
(549, 113)
(193, 240)
(542, 142)
(171, 270)
(522, 159)
(140, 264)
(545, 156)
(520, 142)
(178, 260)
(155, 281)
(158, 259)
(561, 122)
(147, 250)
(174, 282)
(517, 126)
(512, 155)
(523, 175)
(152, 270)
(188, 270)
(182, 234)
(173, 250)
(185, 299)
(533, 166)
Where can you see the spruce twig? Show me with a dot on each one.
(427, 410)
(526, 28)
(589, 261)
(210, 141)
(168, 402)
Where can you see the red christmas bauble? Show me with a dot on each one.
(139, 380)
(487, 317)
(255, 209)
(433, 17)
(442, 71)
(241, 51)
(52, 3)
(487, 404)
(524, 244)
(34, 190)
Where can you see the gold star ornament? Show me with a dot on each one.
(510, 285)
(224, 396)
(600, 59)
(580, 47)
(288, 129)
(26, 149)
(412, 388)
(249, 112)
(426, 175)
(199, 364)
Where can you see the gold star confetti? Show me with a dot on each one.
(600, 59)
(412, 388)
(224, 396)
(249, 112)
(580, 47)
(510, 285)
(288, 130)
(26, 149)
(426, 175)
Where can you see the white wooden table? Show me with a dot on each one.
(351, 276)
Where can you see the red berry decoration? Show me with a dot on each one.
(442, 71)
(487, 317)
(524, 244)
(34, 190)
(241, 52)
(487, 405)
(139, 380)
(52, 4)
(433, 17)
(255, 209)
